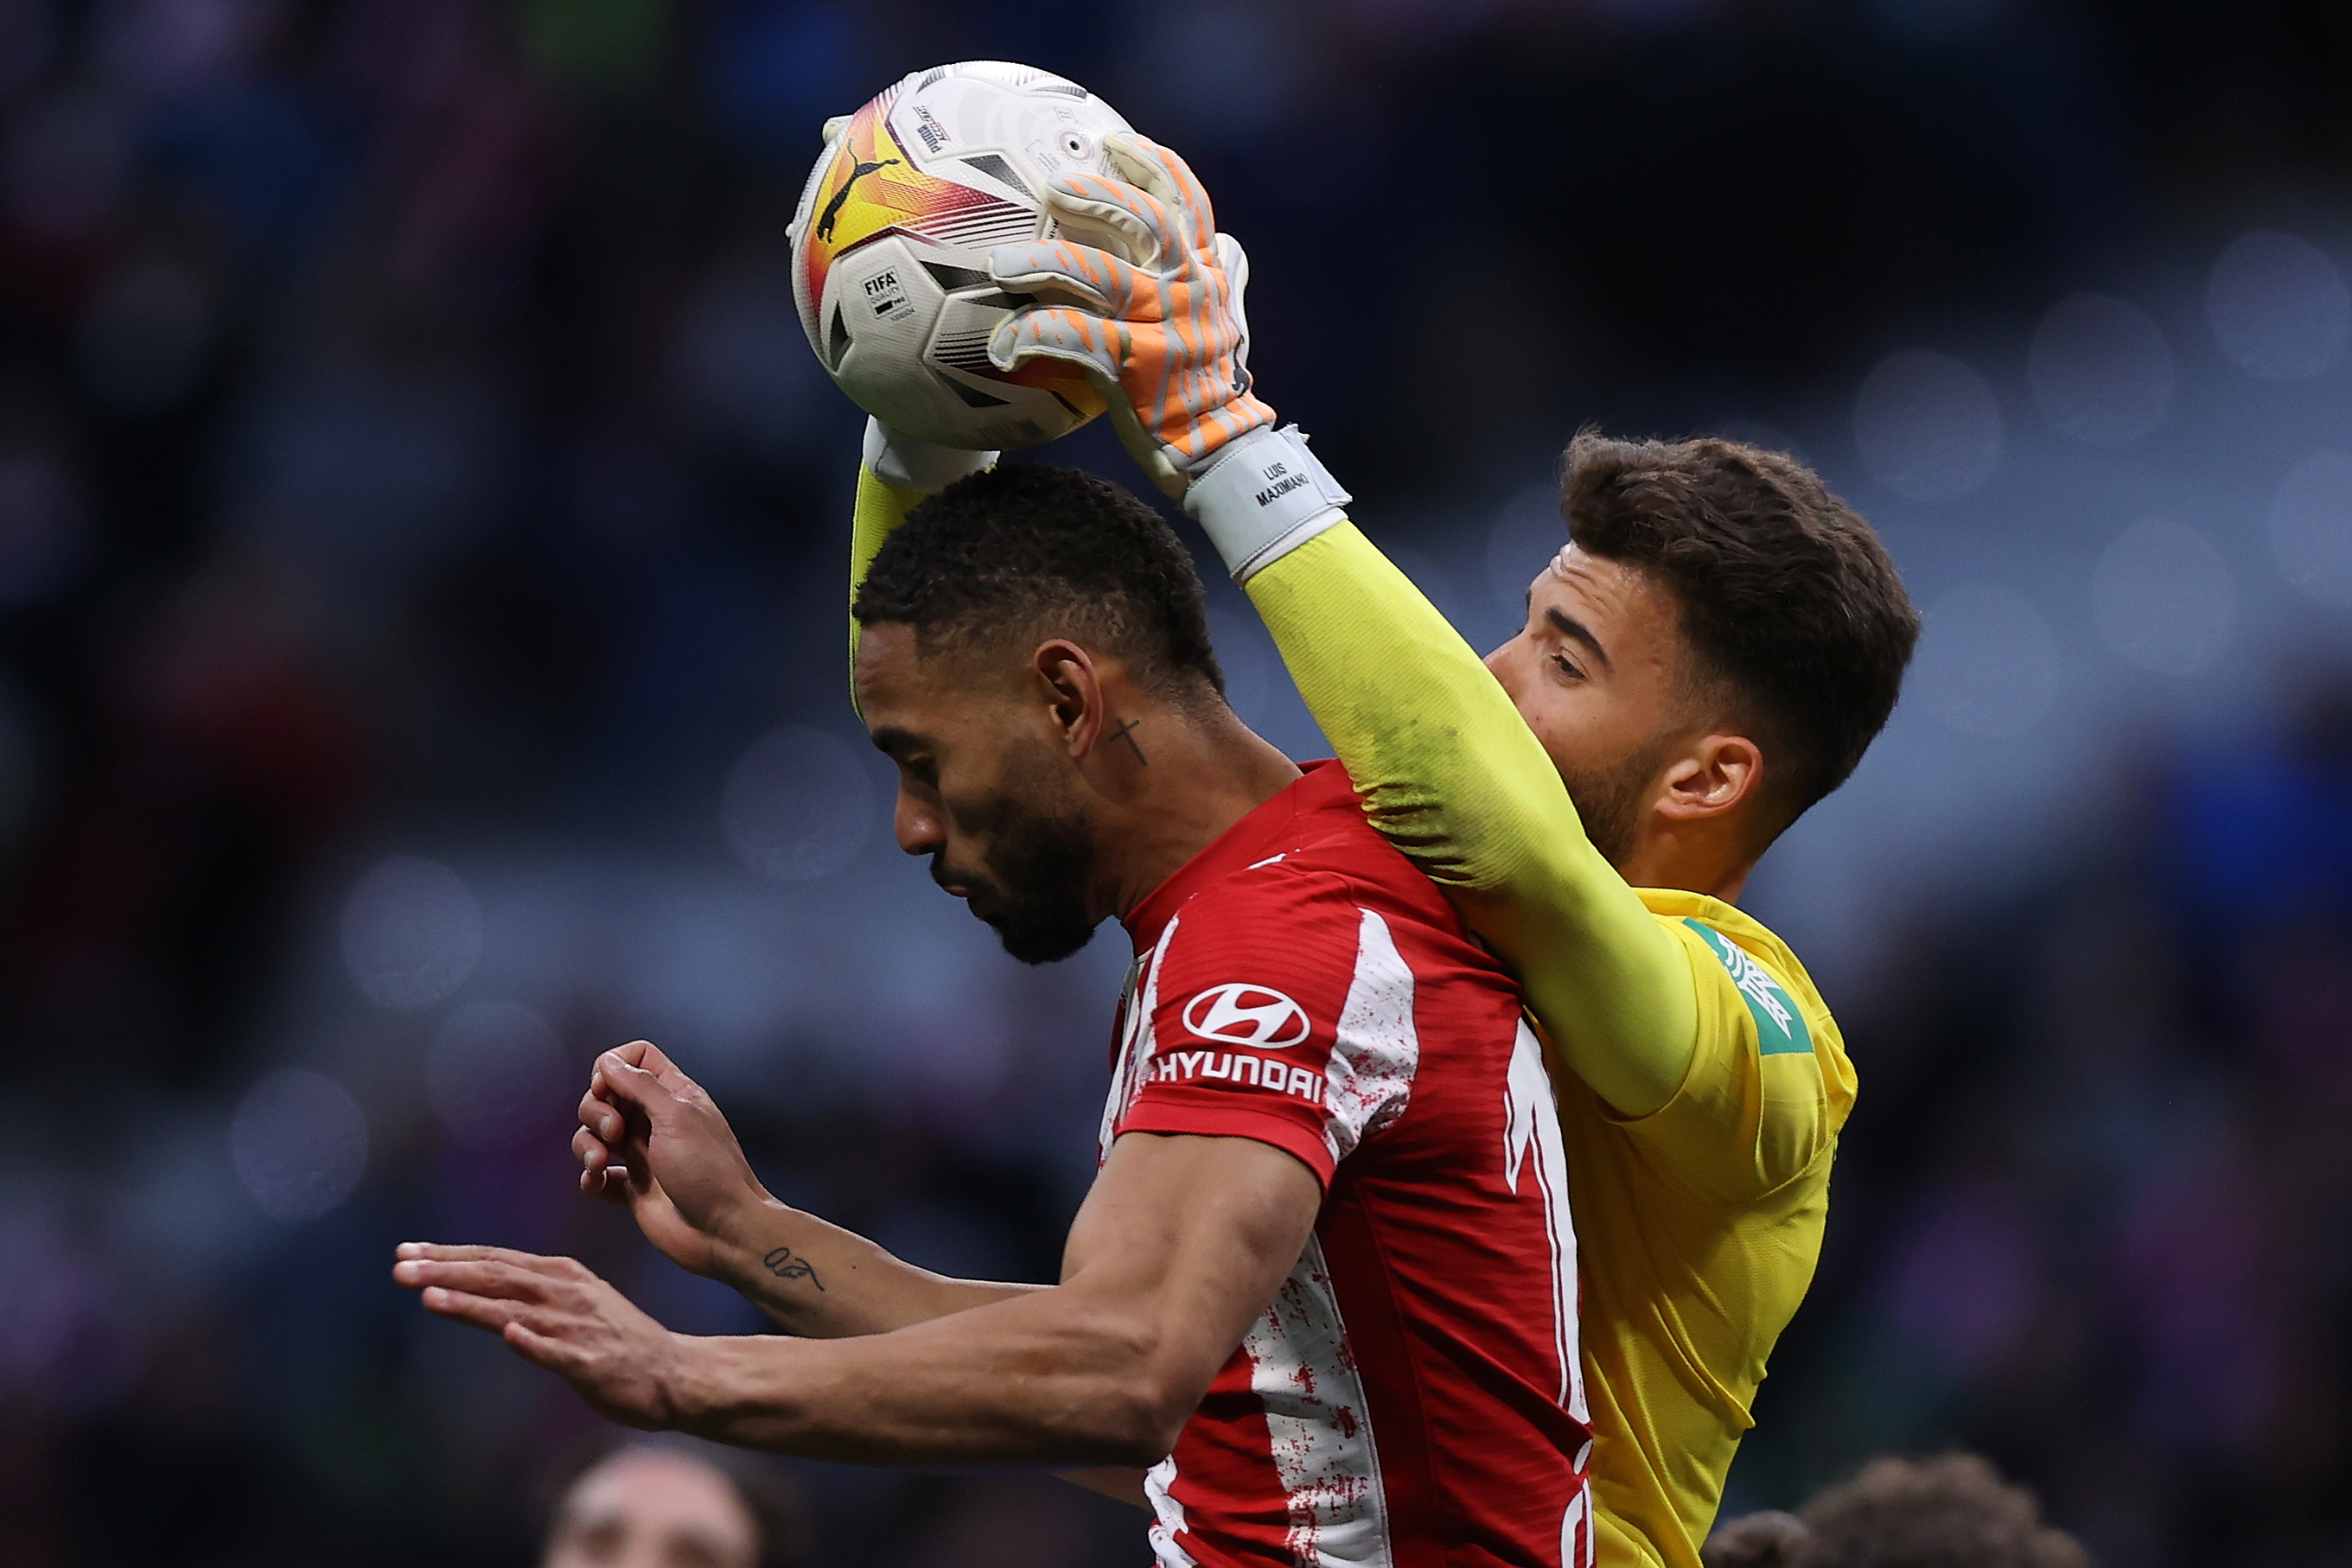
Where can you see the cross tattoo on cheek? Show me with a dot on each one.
(1124, 733)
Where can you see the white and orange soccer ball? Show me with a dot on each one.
(891, 240)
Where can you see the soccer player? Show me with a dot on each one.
(1324, 1284)
(1710, 654)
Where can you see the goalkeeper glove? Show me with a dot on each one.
(1165, 336)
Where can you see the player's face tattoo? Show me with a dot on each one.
(1126, 733)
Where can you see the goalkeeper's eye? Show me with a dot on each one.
(1567, 667)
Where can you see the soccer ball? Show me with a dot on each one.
(891, 239)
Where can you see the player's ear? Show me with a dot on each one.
(1063, 676)
(1714, 775)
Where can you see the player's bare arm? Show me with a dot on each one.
(732, 1229)
(1179, 1245)
(652, 1141)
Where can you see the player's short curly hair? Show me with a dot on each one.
(1950, 1511)
(1786, 596)
(1023, 552)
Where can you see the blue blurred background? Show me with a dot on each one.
(422, 530)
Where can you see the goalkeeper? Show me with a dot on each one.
(1710, 654)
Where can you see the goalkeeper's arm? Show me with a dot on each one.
(894, 473)
(1448, 770)
(1451, 773)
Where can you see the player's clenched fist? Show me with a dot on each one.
(652, 1141)
(1163, 334)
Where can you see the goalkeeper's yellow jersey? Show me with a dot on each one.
(1699, 1224)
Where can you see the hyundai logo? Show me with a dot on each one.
(1246, 1016)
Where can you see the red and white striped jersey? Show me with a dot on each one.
(1413, 1395)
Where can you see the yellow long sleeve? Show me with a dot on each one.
(1451, 775)
(880, 508)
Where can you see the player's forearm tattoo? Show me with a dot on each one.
(784, 1265)
(1126, 733)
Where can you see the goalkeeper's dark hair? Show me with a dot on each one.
(1023, 552)
(1788, 599)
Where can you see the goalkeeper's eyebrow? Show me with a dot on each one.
(1569, 626)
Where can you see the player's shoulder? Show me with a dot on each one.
(1288, 890)
(1789, 1012)
(1320, 907)
(1769, 1084)
(1314, 873)
(1332, 854)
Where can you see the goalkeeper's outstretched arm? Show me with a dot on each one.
(1451, 774)
(1448, 770)
(894, 473)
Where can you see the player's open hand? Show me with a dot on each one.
(1164, 333)
(650, 1138)
(555, 1313)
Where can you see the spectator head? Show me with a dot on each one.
(1767, 1539)
(1953, 1512)
(676, 1503)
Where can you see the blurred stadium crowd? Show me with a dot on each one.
(421, 558)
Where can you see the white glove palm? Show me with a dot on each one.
(1161, 331)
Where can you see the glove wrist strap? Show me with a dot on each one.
(1263, 496)
(899, 460)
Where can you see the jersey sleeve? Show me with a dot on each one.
(1451, 775)
(1276, 1009)
(1756, 1110)
(880, 508)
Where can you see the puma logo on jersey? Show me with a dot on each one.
(1241, 1014)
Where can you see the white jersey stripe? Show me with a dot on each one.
(1376, 1052)
(1531, 1122)
(1320, 1422)
(1139, 1039)
(1577, 1547)
(1167, 1517)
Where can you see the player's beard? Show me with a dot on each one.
(1610, 801)
(1033, 883)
